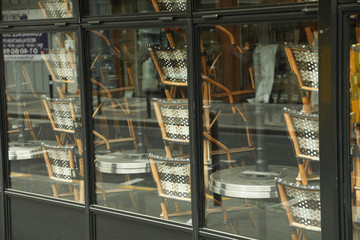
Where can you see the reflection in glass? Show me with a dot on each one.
(139, 79)
(43, 109)
(260, 87)
(354, 69)
(101, 7)
(42, 9)
(239, 3)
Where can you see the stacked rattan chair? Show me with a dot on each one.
(173, 180)
(67, 157)
(63, 167)
(171, 64)
(56, 8)
(169, 5)
(62, 68)
(302, 205)
(303, 61)
(303, 132)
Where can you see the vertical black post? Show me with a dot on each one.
(51, 87)
(195, 125)
(330, 114)
(4, 183)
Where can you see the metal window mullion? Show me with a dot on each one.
(344, 73)
(329, 115)
(195, 124)
(86, 134)
(4, 164)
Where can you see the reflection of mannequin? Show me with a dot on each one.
(264, 59)
(264, 71)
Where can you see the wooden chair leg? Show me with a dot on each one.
(303, 173)
(304, 236)
(131, 194)
(233, 228)
(293, 236)
(177, 208)
(82, 192)
(55, 192)
(252, 218)
(76, 194)
(164, 210)
(308, 168)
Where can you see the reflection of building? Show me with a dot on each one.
(228, 70)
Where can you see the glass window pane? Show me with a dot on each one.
(43, 114)
(101, 7)
(354, 44)
(260, 120)
(141, 127)
(41, 9)
(218, 4)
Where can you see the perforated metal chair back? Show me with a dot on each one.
(56, 8)
(173, 118)
(171, 64)
(302, 204)
(303, 130)
(61, 65)
(61, 112)
(61, 163)
(172, 177)
(169, 5)
(304, 62)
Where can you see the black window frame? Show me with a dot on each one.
(333, 105)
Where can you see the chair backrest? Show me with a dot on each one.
(173, 118)
(305, 64)
(61, 163)
(171, 64)
(302, 204)
(61, 66)
(56, 8)
(169, 5)
(61, 112)
(172, 177)
(303, 131)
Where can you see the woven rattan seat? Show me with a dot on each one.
(62, 68)
(55, 8)
(173, 119)
(303, 131)
(304, 63)
(62, 113)
(303, 207)
(64, 167)
(169, 5)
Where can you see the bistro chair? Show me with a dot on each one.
(62, 68)
(304, 63)
(63, 167)
(173, 181)
(211, 59)
(171, 65)
(26, 105)
(312, 33)
(303, 131)
(302, 205)
(119, 54)
(56, 8)
(170, 6)
(116, 106)
(65, 123)
(63, 164)
(173, 119)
